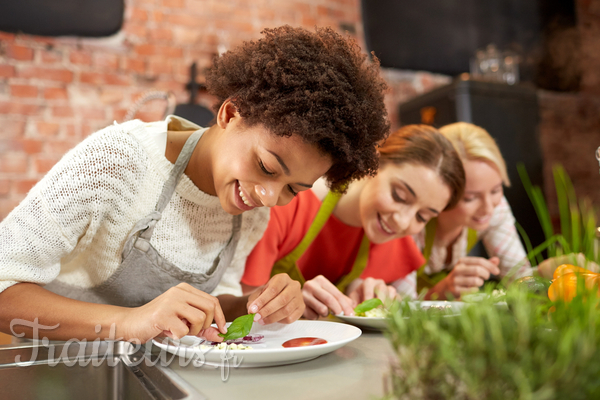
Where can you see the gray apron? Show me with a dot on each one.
(143, 273)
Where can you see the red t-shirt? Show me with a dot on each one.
(333, 251)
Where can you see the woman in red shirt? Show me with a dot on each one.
(347, 248)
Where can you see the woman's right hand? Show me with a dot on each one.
(468, 275)
(181, 310)
(320, 296)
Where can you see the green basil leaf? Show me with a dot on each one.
(239, 328)
(367, 305)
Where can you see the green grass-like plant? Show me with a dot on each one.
(533, 349)
(490, 352)
(577, 221)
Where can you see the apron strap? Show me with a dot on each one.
(360, 263)
(329, 203)
(471, 239)
(169, 187)
(288, 264)
(428, 281)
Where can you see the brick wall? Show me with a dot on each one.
(56, 91)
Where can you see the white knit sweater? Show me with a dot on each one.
(73, 224)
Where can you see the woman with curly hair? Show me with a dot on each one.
(145, 227)
(348, 248)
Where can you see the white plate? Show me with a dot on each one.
(449, 307)
(378, 323)
(270, 352)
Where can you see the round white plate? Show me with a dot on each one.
(450, 307)
(270, 351)
(378, 323)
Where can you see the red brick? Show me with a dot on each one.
(12, 107)
(137, 30)
(91, 113)
(158, 16)
(7, 71)
(60, 147)
(62, 111)
(111, 95)
(137, 14)
(20, 145)
(173, 3)
(156, 50)
(52, 74)
(157, 67)
(80, 57)
(96, 78)
(182, 20)
(7, 205)
(23, 91)
(31, 146)
(24, 186)
(47, 128)
(161, 35)
(71, 131)
(14, 163)
(11, 128)
(19, 52)
(4, 187)
(43, 164)
(119, 114)
(106, 61)
(51, 57)
(56, 94)
(7, 37)
(135, 64)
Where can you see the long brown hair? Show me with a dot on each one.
(426, 146)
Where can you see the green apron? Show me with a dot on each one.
(288, 264)
(425, 281)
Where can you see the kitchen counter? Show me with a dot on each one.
(355, 371)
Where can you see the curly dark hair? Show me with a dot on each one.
(316, 85)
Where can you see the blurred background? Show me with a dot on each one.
(528, 71)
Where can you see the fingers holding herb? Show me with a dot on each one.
(280, 300)
(239, 328)
(180, 311)
(320, 296)
(361, 290)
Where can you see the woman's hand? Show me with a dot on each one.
(280, 300)
(467, 276)
(181, 310)
(360, 290)
(546, 268)
(320, 296)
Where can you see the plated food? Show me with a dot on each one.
(269, 351)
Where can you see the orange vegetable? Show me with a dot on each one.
(565, 286)
(567, 269)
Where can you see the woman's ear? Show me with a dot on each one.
(227, 112)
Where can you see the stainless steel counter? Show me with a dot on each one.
(355, 371)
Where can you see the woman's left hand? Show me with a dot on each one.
(280, 300)
(360, 290)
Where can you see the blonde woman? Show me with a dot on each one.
(483, 214)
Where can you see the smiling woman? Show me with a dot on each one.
(145, 227)
(482, 214)
(346, 249)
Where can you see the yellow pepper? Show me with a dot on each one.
(568, 268)
(565, 286)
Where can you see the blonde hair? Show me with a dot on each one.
(475, 143)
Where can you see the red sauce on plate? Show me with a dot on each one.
(304, 341)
